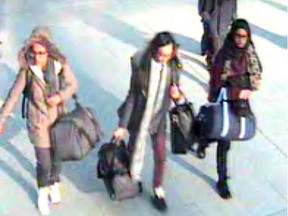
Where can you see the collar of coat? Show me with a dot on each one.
(36, 70)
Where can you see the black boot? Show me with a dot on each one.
(201, 152)
(201, 149)
(223, 189)
(222, 154)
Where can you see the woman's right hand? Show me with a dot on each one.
(119, 133)
(2, 129)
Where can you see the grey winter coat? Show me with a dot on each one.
(40, 116)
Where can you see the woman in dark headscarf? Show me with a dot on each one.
(238, 68)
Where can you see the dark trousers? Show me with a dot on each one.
(159, 151)
(221, 156)
(48, 167)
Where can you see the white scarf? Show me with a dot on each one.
(153, 104)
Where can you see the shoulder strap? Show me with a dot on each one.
(28, 84)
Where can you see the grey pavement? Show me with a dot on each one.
(98, 37)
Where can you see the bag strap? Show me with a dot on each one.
(28, 84)
(89, 115)
(222, 96)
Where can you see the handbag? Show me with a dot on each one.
(113, 168)
(182, 119)
(76, 133)
(218, 121)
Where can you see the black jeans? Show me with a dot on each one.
(221, 156)
(48, 167)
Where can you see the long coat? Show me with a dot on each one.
(219, 15)
(132, 110)
(40, 116)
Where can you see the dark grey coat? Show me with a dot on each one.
(219, 14)
(132, 110)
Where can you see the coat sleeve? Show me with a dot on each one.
(70, 83)
(13, 96)
(125, 110)
(256, 71)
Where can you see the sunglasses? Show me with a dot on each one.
(40, 53)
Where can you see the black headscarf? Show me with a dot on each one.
(230, 49)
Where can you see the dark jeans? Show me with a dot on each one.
(159, 150)
(221, 156)
(48, 167)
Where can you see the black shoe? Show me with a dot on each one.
(159, 203)
(201, 153)
(223, 189)
(140, 187)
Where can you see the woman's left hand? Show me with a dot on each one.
(54, 100)
(245, 94)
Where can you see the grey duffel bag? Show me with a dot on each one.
(75, 134)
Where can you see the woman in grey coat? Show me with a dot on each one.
(47, 81)
(217, 15)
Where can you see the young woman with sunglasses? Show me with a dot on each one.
(41, 65)
(238, 68)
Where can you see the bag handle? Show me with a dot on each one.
(222, 96)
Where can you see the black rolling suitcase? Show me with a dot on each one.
(113, 168)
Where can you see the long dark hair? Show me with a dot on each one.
(230, 49)
(25, 56)
(159, 40)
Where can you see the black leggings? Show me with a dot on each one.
(222, 156)
(48, 167)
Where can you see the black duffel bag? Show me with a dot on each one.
(113, 168)
(76, 133)
(182, 119)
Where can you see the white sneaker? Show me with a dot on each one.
(43, 201)
(55, 194)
